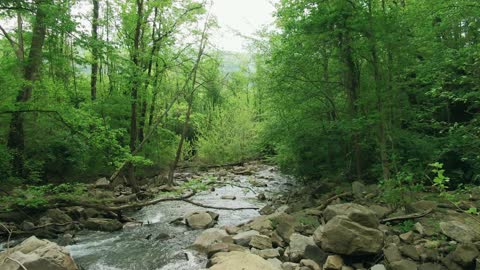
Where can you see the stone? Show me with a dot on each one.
(465, 254)
(276, 263)
(392, 253)
(420, 206)
(199, 220)
(210, 237)
(36, 254)
(261, 224)
(334, 262)
(102, 183)
(237, 260)
(223, 247)
(231, 229)
(92, 213)
(27, 226)
(431, 244)
(103, 224)
(290, 266)
(418, 227)
(407, 237)
(229, 197)
(378, 267)
(459, 231)
(58, 216)
(266, 253)
(358, 189)
(277, 241)
(310, 264)
(285, 226)
(450, 264)
(244, 238)
(355, 212)
(380, 211)
(303, 247)
(65, 239)
(343, 236)
(260, 242)
(431, 266)
(410, 252)
(403, 265)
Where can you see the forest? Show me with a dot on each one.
(134, 93)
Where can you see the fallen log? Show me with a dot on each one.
(405, 217)
(330, 200)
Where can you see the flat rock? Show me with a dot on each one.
(199, 220)
(210, 237)
(260, 242)
(244, 238)
(355, 212)
(237, 260)
(334, 262)
(459, 231)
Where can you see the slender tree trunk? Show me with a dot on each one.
(16, 136)
(93, 80)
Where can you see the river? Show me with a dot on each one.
(148, 248)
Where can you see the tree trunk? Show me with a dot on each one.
(16, 136)
(93, 80)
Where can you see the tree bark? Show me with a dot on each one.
(16, 136)
(93, 79)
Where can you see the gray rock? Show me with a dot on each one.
(303, 247)
(199, 220)
(410, 252)
(244, 238)
(103, 224)
(237, 260)
(355, 212)
(465, 254)
(392, 253)
(378, 267)
(58, 216)
(285, 226)
(421, 206)
(334, 262)
(27, 226)
(102, 183)
(276, 263)
(260, 242)
(404, 265)
(431, 266)
(310, 264)
(345, 237)
(210, 237)
(459, 231)
(35, 254)
(358, 189)
(266, 253)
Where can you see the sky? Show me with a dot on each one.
(243, 16)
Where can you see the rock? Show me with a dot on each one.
(459, 231)
(261, 224)
(58, 216)
(266, 253)
(380, 211)
(429, 244)
(420, 206)
(276, 263)
(303, 247)
(345, 237)
(285, 226)
(289, 266)
(162, 236)
(418, 227)
(407, 237)
(277, 241)
(27, 226)
(334, 262)
(244, 238)
(465, 254)
(231, 229)
(392, 253)
(229, 197)
(133, 224)
(450, 264)
(358, 189)
(199, 220)
(210, 237)
(223, 247)
(102, 183)
(92, 213)
(103, 224)
(378, 267)
(310, 264)
(410, 252)
(260, 242)
(355, 212)
(237, 260)
(403, 265)
(36, 254)
(75, 212)
(431, 266)
(261, 197)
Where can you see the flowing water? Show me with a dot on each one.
(145, 247)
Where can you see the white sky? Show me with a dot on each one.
(243, 16)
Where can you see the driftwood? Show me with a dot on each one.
(330, 200)
(405, 217)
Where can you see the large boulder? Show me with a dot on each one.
(210, 237)
(103, 224)
(200, 220)
(58, 216)
(285, 225)
(244, 238)
(343, 236)
(460, 231)
(237, 260)
(261, 242)
(36, 254)
(354, 212)
(303, 247)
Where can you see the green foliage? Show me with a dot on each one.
(440, 181)
(406, 226)
(400, 189)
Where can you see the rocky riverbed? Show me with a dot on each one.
(297, 227)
